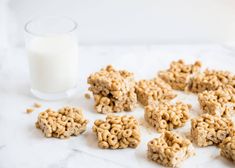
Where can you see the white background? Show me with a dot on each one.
(122, 33)
(128, 21)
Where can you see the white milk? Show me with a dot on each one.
(53, 63)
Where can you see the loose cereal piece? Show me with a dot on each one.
(150, 91)
(29, 110)
(113, 90)
(179, 74)
(227, 147)
(170, 149)
(117, 132)
(66, 122)
(208, 129)
(212, 80)
(220, 102)
(37, 105)
(166, 116)
(87, 95)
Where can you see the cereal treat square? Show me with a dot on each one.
(167, 116)
(113, 90)
(150, 91)
(170, 149)
(208, 129)
(117, 132)
(179, 74)
(66, 122)
(220, 102)
(227, 147)
(211, 80)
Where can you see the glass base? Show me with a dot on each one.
(54, 96)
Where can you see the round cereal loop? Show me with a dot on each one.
(115, 131)
(105, 135)
(43, 115)
(125, 141)
(133, 126)
(133, 144)
(98, 122)
(116, 146)
(176, 120)
(112, 140)
(127, 133)
(116, 120)
(122, 145)
(163, 124)
(105, 126)
(103, 144)
(165, 115)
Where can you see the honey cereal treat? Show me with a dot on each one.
(208, 129)
(220, 102)
(211, 80)
(227, 147)
(179, 74)
(113, 90)
(170, 149)
(117, 132)
(150, 91)
(167, 116)
(66, 122)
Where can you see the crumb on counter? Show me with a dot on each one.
(87, 96)
(29, 110)
(37, 105)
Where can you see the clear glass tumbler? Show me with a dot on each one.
(52, 51)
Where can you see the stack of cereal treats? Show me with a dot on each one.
(113, 90)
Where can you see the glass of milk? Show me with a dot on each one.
(52, 51)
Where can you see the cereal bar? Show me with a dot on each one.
(220, 102)
(211, 80)
(65, 122)
(150, 91)
(170, 149)
(208, 129)
(117, 132)
(227, 147)
(179, 74)
(167, 116)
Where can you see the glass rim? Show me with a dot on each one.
(27, 24)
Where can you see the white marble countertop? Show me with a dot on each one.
(24, 146)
